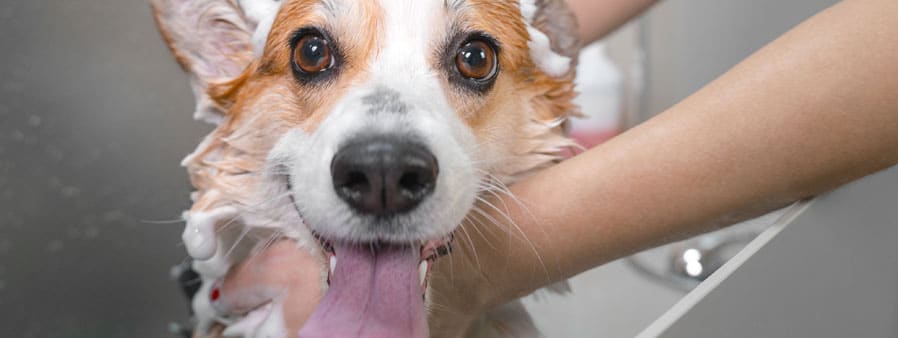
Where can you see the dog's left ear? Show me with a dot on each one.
(211, 39)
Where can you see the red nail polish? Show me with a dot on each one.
(215, 293)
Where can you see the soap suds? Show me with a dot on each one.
(215, 267)
(203, 312)
(540, 46)
(199, 234)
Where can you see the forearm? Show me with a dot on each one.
(598, 18)
(815, 109)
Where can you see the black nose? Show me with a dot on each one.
(384, 176)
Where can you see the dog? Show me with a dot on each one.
(366, 130)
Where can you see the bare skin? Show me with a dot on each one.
(285, 272)
(813, 110)
(598, 18)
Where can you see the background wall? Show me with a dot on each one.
(94, 118)
(688, 43)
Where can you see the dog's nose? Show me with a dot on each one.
(384, 176)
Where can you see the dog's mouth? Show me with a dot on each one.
(375, 290)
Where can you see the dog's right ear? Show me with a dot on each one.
(211, 39)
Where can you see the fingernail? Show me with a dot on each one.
(215, 298)
(216, 292)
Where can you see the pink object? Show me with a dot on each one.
(374, 293)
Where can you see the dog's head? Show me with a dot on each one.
(376, 123)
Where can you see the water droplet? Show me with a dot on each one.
(17, 135)
(91, 232)
(54, 153)
(34, 121)
(73, 232)
(113, 216)
(70, 192)
(54, 246)
(94, 154)
(13, 86)
(53, 182)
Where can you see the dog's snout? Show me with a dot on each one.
(384, 176)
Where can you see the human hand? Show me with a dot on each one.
(282, 278)
(287, 278)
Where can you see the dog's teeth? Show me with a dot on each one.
(422, 271)
(333, 264)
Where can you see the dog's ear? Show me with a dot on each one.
(211, 39)
(555, 19)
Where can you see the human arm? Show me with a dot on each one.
(598, 18)
(813, 110)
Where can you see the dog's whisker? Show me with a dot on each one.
(236, 242)
(250, 208)
(272, 199)
(476, 224)
(272, 238)
(232, 220)
(171, 221)
(503, 188)
(473, 249)
(507, 219)
(515, 227)
(439, 307)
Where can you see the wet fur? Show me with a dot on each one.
(519, 127)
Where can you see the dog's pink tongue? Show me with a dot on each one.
(372, 294)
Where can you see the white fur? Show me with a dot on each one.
(199, 234)
(260, 13)
(402, 65)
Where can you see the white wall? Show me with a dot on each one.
(691, 42)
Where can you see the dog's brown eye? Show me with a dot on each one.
(312, 54)
(476, 60)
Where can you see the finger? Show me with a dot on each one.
(281, 272)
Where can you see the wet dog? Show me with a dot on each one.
(366, 130)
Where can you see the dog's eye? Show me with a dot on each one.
(476, 60)
(312, 54)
